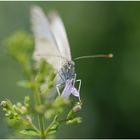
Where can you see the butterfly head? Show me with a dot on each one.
(70, 64)
(68, 70)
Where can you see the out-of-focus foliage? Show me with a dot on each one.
(110, 88)
(20, 46)
(46, 106)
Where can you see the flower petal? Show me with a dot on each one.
(75, 92)
(70, 89)
(67, 90)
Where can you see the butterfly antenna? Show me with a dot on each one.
(95, 56)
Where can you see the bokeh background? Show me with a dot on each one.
(110, 87)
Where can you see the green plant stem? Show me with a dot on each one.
(34, 127)
(63, 121)
(31, 125)
(52, 123)
(40, 117)
(41, 126)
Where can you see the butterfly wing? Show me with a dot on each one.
(60, 35)
(45, 43)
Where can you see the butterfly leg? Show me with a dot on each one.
(78, 81)
(57, 88)
(79, 87)
(74, 80)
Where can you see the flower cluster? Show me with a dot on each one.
(44, 104)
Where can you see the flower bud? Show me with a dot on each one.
(29, 119)
(77, 107)
(23, 110)
(3, 103)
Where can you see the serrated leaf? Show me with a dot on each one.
(29, 132)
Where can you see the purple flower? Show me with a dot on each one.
(70, 89)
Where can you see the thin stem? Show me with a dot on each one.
(52, 123)
(62, 121)
(31, 125)
(34, 127)
(40, 117)
(36, 98)
(41, 125)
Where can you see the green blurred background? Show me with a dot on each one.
(110, 87)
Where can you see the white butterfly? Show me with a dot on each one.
(51, 43)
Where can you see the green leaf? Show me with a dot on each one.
(59, 102)
(49, 113)
(19, 45)
(76, 120)
(40, 109)
(27, 102)
(54, 128)
(24, 83)
(45, 73)
(29, 132)
(51, 132)
(71, 115)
